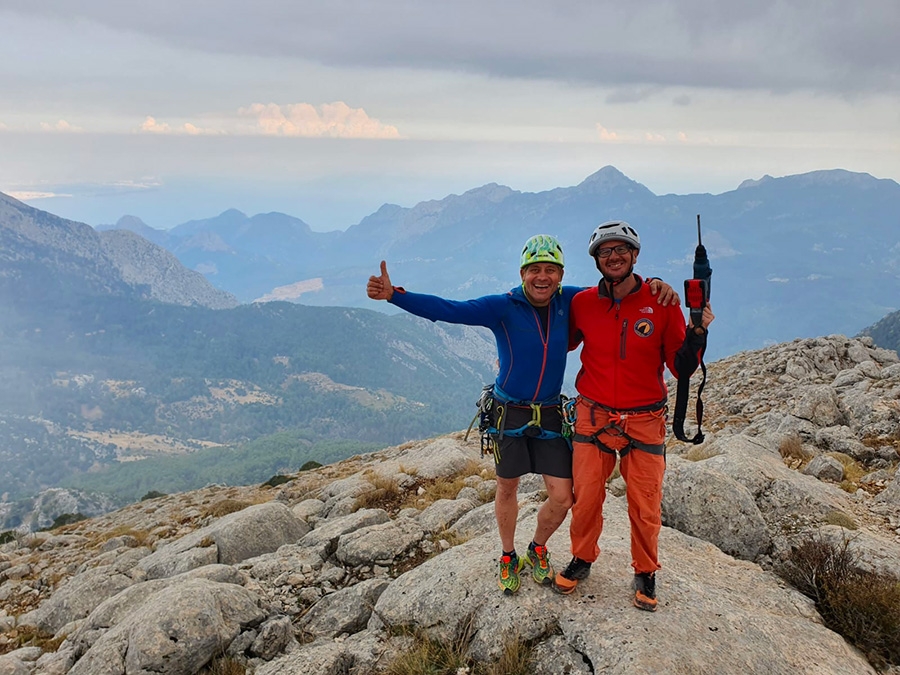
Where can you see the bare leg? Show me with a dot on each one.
(506, 509)
(554, 510)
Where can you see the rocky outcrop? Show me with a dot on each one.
(142, 263)
(344, 567)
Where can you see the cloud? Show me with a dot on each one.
(152, 126)
(829, 46)
(61, 126)
(653, 137)
(3, 127)
(332, 120)
(605, 134)
(29, 196)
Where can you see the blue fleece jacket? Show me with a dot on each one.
(532, 356)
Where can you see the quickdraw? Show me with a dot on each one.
(569, 415)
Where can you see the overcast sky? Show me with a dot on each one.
(325, 110)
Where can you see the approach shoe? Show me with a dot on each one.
(541, 570)
(645, 591)
(509, 574)
(566, 581)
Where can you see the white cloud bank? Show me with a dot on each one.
(330, 120)
(151, 126)
(61, 126)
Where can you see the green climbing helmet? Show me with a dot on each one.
(542, 248)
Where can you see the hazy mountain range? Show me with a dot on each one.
(111, 351)
(797, 256)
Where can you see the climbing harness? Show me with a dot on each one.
(495, 402)
(618, 420)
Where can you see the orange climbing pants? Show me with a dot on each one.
(642, 470)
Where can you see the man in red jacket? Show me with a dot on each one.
(621, 408)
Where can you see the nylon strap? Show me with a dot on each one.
(682, 393)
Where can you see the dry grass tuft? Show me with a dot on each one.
(862, 606)
(224, 665)
(791, 451)
(853, 471)
(385, 494)
(697, 453)
(225, 506)
(142, 537)
(841, 519)
(29, 636)
(437, 657)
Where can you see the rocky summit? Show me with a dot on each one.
(344, 568)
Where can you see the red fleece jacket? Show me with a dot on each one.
(627, 345)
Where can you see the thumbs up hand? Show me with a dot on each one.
(380, 288)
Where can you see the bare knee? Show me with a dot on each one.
(559, 492)
(507, 488)
(562, 501)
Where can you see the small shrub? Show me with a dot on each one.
(153, 494)
(311, 464)
(862, 606)
(276, 480)
(224, 507)
(7, 536)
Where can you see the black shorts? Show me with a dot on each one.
(519, 455)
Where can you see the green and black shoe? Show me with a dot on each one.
(539, 559)
(509, 574)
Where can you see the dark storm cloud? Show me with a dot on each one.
(831, 46)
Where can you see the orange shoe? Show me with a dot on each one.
(645, 591)
(566, 581)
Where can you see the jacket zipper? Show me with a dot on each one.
(545, 339)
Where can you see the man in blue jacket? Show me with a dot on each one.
(530, 324)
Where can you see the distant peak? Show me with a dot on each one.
(749, 183)
(232, 213)
(607, 179)
(129, 222)
(492, 191)
(607, 174)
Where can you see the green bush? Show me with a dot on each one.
(276, 480)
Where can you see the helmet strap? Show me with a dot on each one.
(612, 283)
